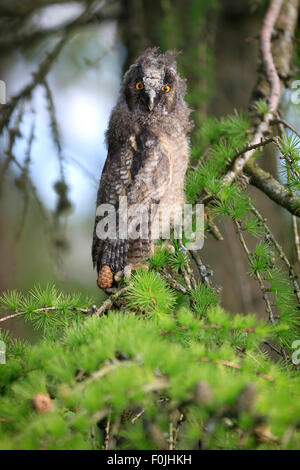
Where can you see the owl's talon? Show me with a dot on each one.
(118, 276)
(140, 266)
(133, 267)
(127, 271)
(167, 246)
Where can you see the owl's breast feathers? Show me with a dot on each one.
(147, 167)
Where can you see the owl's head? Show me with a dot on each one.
(152, 85)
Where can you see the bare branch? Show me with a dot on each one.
(257, 275)
(38, 77)
(274, 81)
(13, 134)
(25, 7)
(279, 249)
(10, 317)
(286, 124)
(296, 237)
(267, 58)
(110, 301)
(27, 38)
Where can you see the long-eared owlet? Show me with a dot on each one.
(143, 177)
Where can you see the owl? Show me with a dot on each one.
(148, 154)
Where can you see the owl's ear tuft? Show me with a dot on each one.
(170, 57)
(153, 56)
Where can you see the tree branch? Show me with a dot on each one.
(257, 275)
(274, 96)
(38, 77)
(25, 7)
(262, 180)
(279, 249)
(267, 57)
(286, 124)
(21, 39)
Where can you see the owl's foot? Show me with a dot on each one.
(128, 270)
(166, 245)
(118, 276)
(133, 267)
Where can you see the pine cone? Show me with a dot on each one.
(105, 277)
(42, 403)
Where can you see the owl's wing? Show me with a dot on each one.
(140, 172)
(113, 183)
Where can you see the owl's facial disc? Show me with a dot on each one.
(150, 89)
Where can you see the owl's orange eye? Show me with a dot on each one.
(165, 88)
(139, 85)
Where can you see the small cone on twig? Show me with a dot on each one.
(42, 403)
(105, 277)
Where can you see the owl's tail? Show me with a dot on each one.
(109, 256)
(114, 254)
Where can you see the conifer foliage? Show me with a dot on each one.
(162, 370)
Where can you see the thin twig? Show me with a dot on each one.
(45, 310)
(296, 237)
(137, 416)
(212, 227)
(286, 124)
(23, 179)
(9, 317)
(54, 127)
(94, 311)
(174, 283)
(107, 432)
(171, 437)
(178, 425)
(273, 348)
(190, 274)
(257, 275)
(8, 42)
(13, 134)
(38, 77)
(111, 300)
(279, 249)
(262, 143)
(186, 278)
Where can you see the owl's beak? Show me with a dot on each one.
(151, 95)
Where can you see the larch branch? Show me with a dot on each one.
(264, 181)
(274, 96)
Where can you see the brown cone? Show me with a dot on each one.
(105, 277)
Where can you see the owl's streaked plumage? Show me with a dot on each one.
(148, 151)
